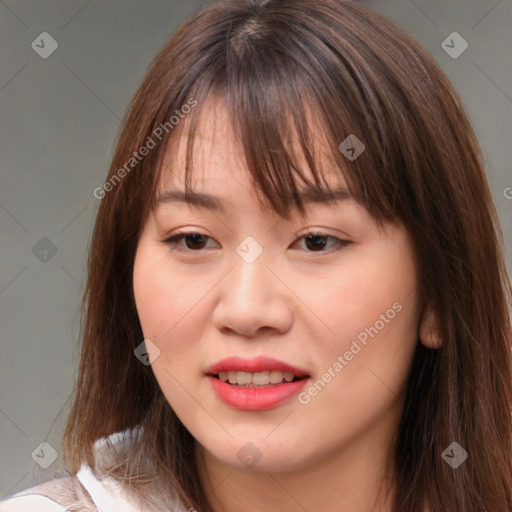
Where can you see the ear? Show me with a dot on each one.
(429, 332)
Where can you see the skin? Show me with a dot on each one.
(301, 306)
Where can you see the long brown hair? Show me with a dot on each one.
(271, 62)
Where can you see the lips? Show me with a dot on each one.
(255, 384)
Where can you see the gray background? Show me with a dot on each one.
(59, 120)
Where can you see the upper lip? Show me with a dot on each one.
(253, 365)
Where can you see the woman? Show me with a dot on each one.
(296, 293)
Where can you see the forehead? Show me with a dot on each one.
(218, 155)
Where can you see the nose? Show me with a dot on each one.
(253, 299)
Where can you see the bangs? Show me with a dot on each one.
(282, 154)
(289, 119)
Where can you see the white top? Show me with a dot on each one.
(107, 494)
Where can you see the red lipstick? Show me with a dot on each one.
(247, 397)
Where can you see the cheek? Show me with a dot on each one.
(354, 297)
(371, 310)
(163, 295)
(369, 306)
(171, 305)
(165, 304)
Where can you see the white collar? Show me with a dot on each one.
(107, 494)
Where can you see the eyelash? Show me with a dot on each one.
(174, 240)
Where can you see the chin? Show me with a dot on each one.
(277, 456)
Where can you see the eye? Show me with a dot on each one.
(193, 241)
(316, 242)
(196, 242)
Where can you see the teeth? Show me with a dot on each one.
(260, 378)
(276, 377)
(248, 379)
(244, 378)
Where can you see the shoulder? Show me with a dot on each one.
(30, 504)
(47, 497)
(84, 491)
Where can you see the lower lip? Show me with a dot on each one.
(256, 399)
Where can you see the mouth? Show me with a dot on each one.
(258, 371)
(266, 378)
(258, 379)
(255, 384)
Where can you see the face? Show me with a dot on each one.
(327, 302)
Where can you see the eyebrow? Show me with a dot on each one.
(214, 203)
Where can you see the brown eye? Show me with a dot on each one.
(316, 242)
(193, 241)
